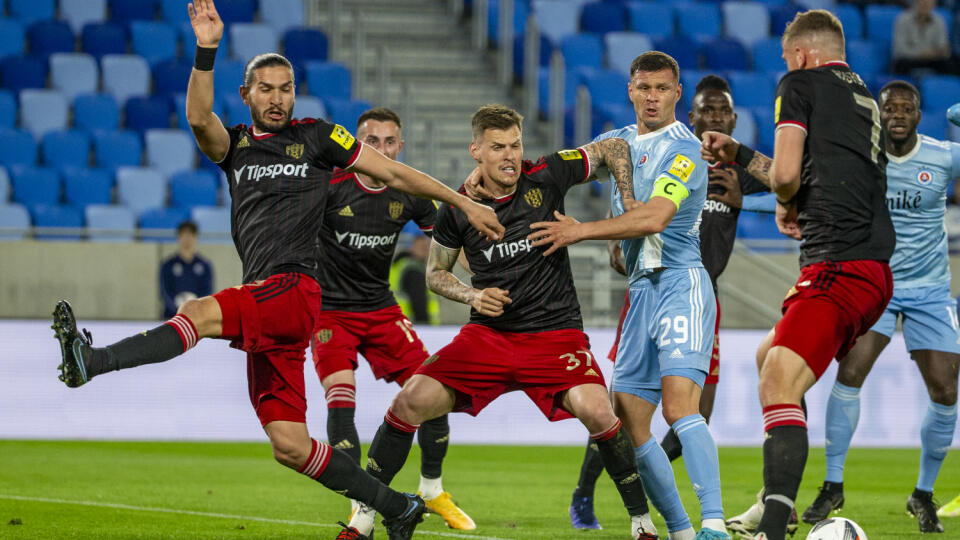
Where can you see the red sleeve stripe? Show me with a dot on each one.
(791, 123)
(427, 229)
(586, 159)
(356, 155)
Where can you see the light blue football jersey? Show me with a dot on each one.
(672, 151)
(917, 186)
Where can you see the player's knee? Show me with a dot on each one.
(944, 392)
(675, 411)
(287, 452)
(204, 313)
(597, 417)
(849, 374)
(408, 406)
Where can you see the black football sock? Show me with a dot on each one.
(342, 431)
(589, 471)
(434, 438)
(159, 344)
(339, 472)
(784, 457)
(389, 449)
(616, 450)
(671, 445)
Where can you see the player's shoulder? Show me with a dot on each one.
(625, 132)
(934, 145)
(342, 175)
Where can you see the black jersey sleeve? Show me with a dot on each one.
(234, 134)
(749, 184)
(337, 146)
(446, 232)
(568, 167)
(425, 214)
(792, 105)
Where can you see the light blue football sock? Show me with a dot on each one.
(843, 413)
(658, 482)
(703, 464)
(936, 434)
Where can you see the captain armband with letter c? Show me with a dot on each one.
(670, 188)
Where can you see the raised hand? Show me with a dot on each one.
(206, 23)
(718, 147)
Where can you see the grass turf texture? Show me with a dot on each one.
(511, 492)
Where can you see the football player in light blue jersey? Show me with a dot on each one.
(919, 173)
(666, 341)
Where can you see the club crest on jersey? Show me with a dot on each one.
(568, 155)
(643, 159)
(295, 150)
(244, 142)
(324, 335)
(342, 137)
(534, 197)
(924, 176)
(395, 209)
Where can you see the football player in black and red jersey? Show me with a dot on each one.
(279, 171)
(361, 227)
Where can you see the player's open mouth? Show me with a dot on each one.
(275, 115)
(509, 170)
(651, 111)
(898, 128)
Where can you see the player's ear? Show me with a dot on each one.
(475, 151)
(401, 146)
(245, 95)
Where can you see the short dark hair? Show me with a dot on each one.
(902, 86)
(380, 114)
(494, 116)
(713, 82)
(655, 61)
(186, 226)
(262, 61)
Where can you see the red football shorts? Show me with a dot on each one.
(481, 364)
(384, 337)
(272, 320)
(832, 304)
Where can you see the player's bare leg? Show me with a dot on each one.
(590, 403)
(196, 319)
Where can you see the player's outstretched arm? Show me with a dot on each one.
(614, 154)
(788, 161)
(441, 280)
(406, 178)
(720, 147)
(212, 137)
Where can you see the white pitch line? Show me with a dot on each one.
(222, 516)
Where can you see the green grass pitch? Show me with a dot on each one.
(80, 489)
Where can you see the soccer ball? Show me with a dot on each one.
(837, 528)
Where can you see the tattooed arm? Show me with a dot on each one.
(440, 279)
(614, 153)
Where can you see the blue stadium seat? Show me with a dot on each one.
(759, 226)
(73, 74)
(250, 39)
(126, 11)
(170, 150)
(29, 11)
(159, 224)
(571, 82)
(104, 38)
(48, 37)
(193, 188)
(746, 22)
(153, 40)
(18, 148)
(87, 186)
(689, 79)
(879, 22)
(60, 217)
(869, 57)
(309, 107)
(329, 80)
(8, 109)
(95, 112)
(213, 223)
(768, 55)
(607, 87)
(765, 128)
(697, 19)
(939, 93)
(227, 77)
(42, 111)
(143, 113)
(652, 18)
(4, 186)
(746, 130)
(345, 112)
(236, 11)
(237, 112)
(80, 12)
(726, 53)
(851, 18)
(781, 16)
(141, 188)
(623, 47)
(180, 108)
(23, 71)
(602, 17)
(172, 75)
(14, 221)
(752, 88)
(35, 185)
(66, 149)
(521, 9)
(302, 45)
(113, 149)
(125, 76)
(13, 37)
(546, 51)
(110, 223)
(683, 49)
(557, 19)
(175, 11)
(283, 15)
(582, 50)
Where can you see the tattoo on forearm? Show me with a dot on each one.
(615, 155)
(759, 167)
(439, 278)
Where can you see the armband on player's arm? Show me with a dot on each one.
(670, 188)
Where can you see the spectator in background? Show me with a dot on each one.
(920, 40)
(185, 275)
(408, 279)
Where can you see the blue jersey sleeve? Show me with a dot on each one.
(763, 203)
(682, 161)
(955, 160)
